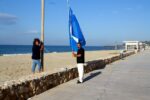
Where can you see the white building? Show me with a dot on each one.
(133, 45)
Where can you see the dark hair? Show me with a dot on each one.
(79, 43)
(36, 40)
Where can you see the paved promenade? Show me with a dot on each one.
(127, 79)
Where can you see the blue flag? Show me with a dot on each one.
(75, 33)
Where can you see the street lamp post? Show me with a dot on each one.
(42, 32)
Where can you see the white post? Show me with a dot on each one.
(126, 46)
(42, 20)
(42, 32)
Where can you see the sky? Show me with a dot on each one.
(103, 22)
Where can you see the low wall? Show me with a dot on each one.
(25, 89)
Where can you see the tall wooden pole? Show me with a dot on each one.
(42, 32)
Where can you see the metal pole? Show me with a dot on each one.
(42, 32)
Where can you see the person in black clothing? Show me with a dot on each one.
(36, 49)
(80, 62)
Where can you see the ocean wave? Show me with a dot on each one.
(14, 54)
(54, 52)
(21, 54)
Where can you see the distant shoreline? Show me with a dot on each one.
(27, 49)
(47, 53)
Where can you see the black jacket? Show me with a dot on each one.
(36, 52)
(81, 58)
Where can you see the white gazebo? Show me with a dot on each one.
(132, 45)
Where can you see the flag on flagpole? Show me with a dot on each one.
(75, 33)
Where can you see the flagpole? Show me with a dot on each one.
(42, 32)
(68, 5)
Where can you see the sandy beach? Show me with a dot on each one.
(16, 66)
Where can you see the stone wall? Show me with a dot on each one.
(22, 90)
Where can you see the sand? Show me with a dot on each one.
(16, 66)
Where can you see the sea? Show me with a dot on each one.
(27, 49)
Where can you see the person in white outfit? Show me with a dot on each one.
(80, 62)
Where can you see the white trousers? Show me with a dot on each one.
(80, 71)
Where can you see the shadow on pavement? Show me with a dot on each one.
(92, 75)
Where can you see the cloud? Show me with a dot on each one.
(32, 32)
(7, 19)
